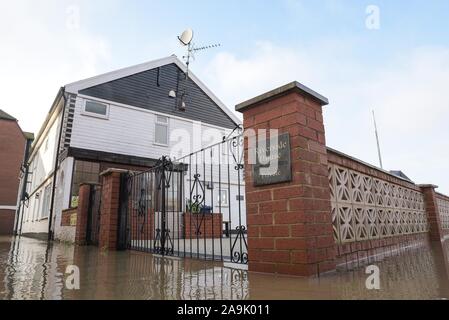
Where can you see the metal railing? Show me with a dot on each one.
(192, 207)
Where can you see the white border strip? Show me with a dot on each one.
(8, 207)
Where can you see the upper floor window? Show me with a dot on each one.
(161, 131)
(46, 204)
(96, 109)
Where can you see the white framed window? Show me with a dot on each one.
(161, 131)
(46, 203)
(96, 109)
(223, 198)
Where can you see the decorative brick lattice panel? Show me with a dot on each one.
(443, 207)
(367, 208)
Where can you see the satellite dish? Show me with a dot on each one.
(186, 37)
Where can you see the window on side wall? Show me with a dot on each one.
(46, 204)
(96, 109)
(161, 131)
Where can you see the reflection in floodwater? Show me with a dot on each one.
(31, 269)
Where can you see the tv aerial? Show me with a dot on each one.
(186, 40)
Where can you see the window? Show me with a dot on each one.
(46, 204)
(84, 172)
(37, 202)
(161, 131)
(96, 109)
(223, 198)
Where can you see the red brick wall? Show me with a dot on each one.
(82, 213)
(6, 222)
(210, 226)
(358, 251)
(142, 228)
(66, 217)
(12, 150)
(290, 224)
(109, 210)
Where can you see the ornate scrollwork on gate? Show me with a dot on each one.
(197, 192)
(235, 146)
(241, 255)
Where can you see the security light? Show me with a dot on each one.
(172, 94)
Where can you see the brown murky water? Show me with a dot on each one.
(31, 269)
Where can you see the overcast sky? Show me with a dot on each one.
(397, 64)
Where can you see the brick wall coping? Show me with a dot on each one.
(276, 93)
(74, 210)
(111, 171)
(427, 186)
(90, 183)
(369, 169)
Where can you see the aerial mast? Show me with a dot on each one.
(378, 142)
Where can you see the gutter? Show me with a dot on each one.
(24, 187)
(55, 171)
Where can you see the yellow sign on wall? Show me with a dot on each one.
(73, 218)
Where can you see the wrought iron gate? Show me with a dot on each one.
(93, 218)
(193, 207)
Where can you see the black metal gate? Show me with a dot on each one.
(93, 217)
(193, 207)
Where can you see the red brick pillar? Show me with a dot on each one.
(433, 214)
(109, 212)
(290, 224)
(82, 214)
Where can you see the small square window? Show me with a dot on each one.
(161, 119)
(97, 109)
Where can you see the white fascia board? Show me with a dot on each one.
(8, 207)
(75, 87)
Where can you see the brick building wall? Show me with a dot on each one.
(12, 150)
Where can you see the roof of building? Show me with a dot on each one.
(80, 86)
(6, 116)
(401, 174)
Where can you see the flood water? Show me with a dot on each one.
(31, 269)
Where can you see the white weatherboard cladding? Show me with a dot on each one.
(129, 131)
(62, 201)
(42, 161)
(42, 164)
(31, 219)
(78, 86)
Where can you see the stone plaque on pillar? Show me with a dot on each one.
(275, 160)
